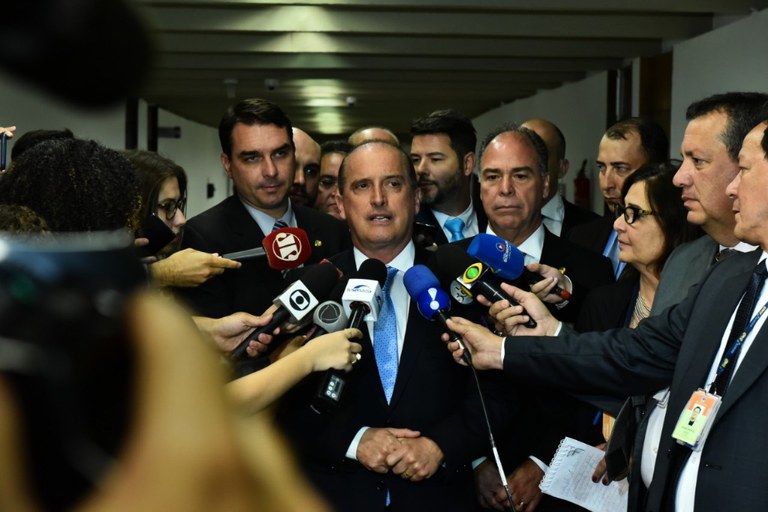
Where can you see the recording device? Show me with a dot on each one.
(285, 248)
(361, 301)
(157, 232)
(3, 150)
(295, 303)
(507, 261)
(66, 355)
(432, 301)
(474, 278)
(362, 297)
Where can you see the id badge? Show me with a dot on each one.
(696, 419)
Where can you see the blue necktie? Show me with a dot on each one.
(385, 338)
(456, 227)
(279, 224)
(611, 251)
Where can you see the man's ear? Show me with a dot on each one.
(564, 166)
(340, 205)
(226, 162)
(545, 179)
(417, 199)
(469, 163)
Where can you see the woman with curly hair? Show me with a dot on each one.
(74, 185)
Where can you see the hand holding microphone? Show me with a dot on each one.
(508, 263)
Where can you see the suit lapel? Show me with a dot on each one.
(415, 335)
(242, 224)
(426, 216)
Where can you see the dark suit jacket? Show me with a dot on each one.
(593, 235)
(228, 227)
(575, 216)
(426, 216)
(431, 395)
(675, 348)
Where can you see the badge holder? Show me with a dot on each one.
(696, 419)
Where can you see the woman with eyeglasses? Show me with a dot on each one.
(650, 225)
(163, 186)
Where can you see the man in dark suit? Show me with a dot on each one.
(624, 148)
(683, 348)
(513, 185)
(258, 156)
(560, 215)
(443, 153)
(399, 443)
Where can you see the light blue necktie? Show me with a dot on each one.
(611, 251)
(456, 227)
(279, 224)
(385, 338)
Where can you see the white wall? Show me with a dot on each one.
(197, 150)
(578, 109)
(731, 58)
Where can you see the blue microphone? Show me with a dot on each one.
(432, 301)
(506, 261)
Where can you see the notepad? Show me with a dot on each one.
(569, 477)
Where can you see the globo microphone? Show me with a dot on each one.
(362, 297)
(506, 261)
(432, 301)
(474, 277)
(295, 302)
(285, 248)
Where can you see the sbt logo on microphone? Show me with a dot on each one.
(286, 246)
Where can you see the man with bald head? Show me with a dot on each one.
(373, 133)
(560, 215)
(307, 176)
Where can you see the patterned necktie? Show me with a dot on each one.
(385, 338)
(456, 227)
(724, 253)
(279, 224)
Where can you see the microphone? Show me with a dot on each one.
(507, 261)
(362, 297)
(295, 302)
(361, 301)
(329, 317)
(285, 248)
(474, 277)
(432, 301)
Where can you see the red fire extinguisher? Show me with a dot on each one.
(581, 189)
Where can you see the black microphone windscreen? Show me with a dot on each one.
(320, 279)
(373, 269)
(451, 261)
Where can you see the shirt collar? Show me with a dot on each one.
(265, 221)
(532, 247)
(402, 262)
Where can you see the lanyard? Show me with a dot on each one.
(733, 351)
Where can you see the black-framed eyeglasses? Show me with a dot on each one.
(632, 213)
(170, 206)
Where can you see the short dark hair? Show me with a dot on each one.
(251, 112)
(452, 123)
(405, 158)
(33, 137)
(152, 170)
(653, 140)
(743, 110)
(75, 185)
(664, 199)
(536, 142)
(335, 146)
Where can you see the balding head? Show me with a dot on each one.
(557, 164)
(305, 180)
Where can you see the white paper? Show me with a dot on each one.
(569, 477)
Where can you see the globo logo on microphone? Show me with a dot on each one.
(300, 300)
(286, 246)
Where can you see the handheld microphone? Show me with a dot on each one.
(432, 301)
(329, 317)
(285, 248)
(361, 301)
(507, 261)
(474, 277)
(362, 297)
(295, 302)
